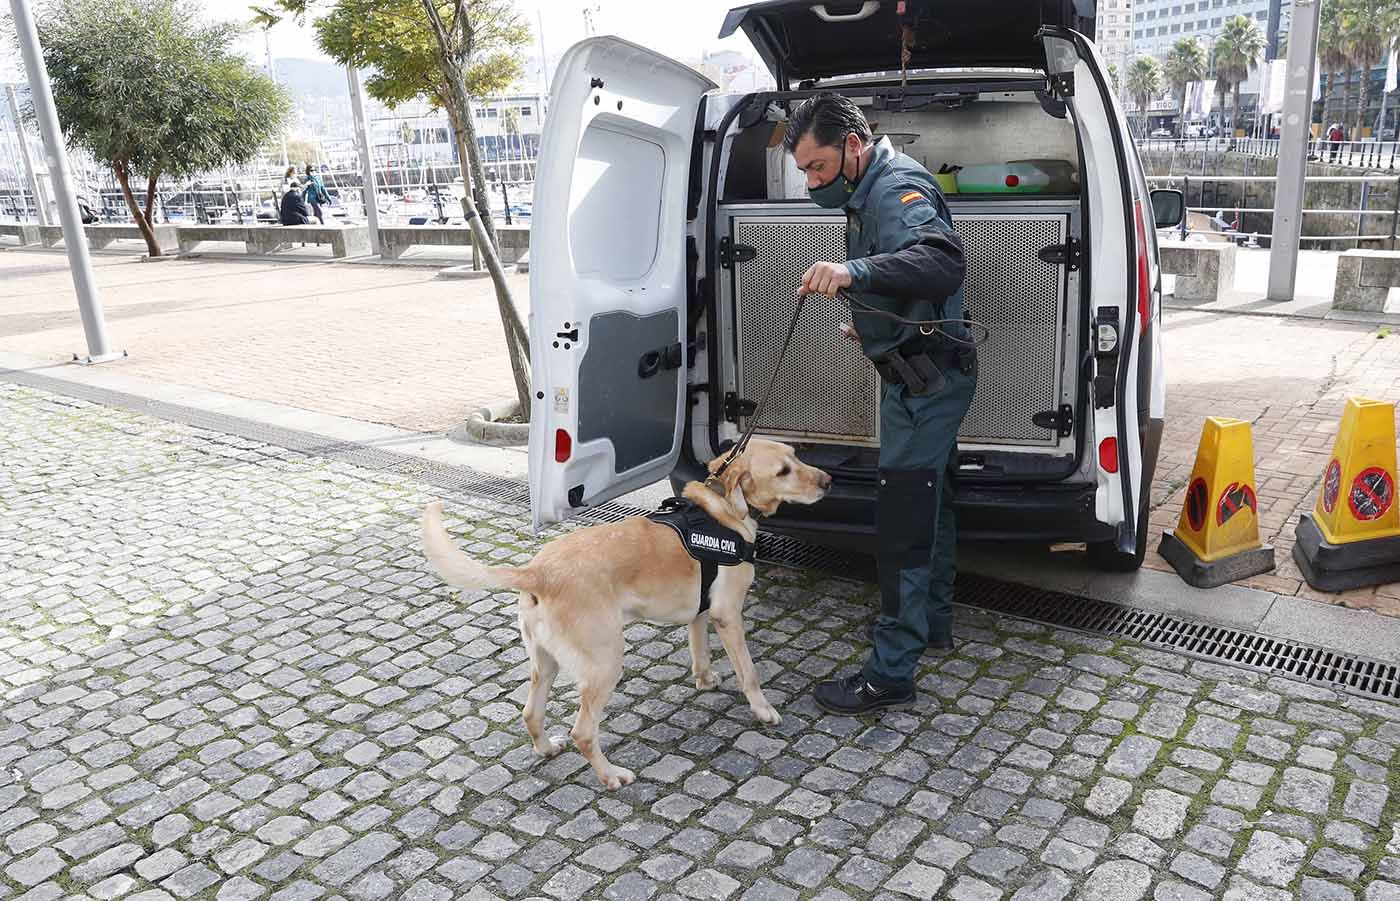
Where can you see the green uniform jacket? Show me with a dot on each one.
(901, 250)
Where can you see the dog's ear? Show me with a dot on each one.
(736, 492)
(764, 507)
(734, 473)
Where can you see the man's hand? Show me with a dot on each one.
(849, 331)
(825, 278)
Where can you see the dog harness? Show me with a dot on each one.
(708, 542)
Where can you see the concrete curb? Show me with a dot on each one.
(483, 427)
(466, 272)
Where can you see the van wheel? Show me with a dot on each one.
(1105, 556)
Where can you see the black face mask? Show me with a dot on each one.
(837, 192)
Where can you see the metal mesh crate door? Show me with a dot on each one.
(829, 390)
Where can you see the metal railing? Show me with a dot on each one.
(1185, 182)
(1357, 154)
(412, 196)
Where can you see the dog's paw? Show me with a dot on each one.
(706, 680)
(550, 747)
(618, 776)
(767, 714)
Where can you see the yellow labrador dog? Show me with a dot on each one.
(579, 591)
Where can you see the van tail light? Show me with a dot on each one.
(1144, 290)
(563, 446)
(1108, 454)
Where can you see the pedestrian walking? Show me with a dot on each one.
(316, 194)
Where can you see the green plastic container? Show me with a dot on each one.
(1020, 177)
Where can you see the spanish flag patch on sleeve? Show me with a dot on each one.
(911, 196)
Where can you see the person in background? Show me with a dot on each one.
(316, 193)
(1335, 134)
(293, 210)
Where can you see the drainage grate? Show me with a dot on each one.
(1345, 672)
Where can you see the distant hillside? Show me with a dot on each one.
(311, 78)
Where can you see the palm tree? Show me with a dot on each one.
(1331, 54)
(1237, 52)
(1144, 83)
(1186, 62)
(1366, 31)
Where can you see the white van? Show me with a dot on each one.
(670, 232)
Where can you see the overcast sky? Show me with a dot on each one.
(680, 28)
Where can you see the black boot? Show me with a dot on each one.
(855, 695)
(940, 632)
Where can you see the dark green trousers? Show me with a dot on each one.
(915, 524)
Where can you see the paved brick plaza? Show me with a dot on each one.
(225, 673)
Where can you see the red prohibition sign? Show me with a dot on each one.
(1331, 486)
(1372, 493)
(1197, 502)
(1234, 499)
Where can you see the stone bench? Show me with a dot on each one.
(190, 237)
(102, 235)
(25, 232)
(1364, 279)
(1203, 271)
(345, 240)
(99, 236)
(394, 240)
(514, 241)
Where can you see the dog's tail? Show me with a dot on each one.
(455, 567)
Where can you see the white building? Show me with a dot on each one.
(507, 131)
(735, 72)
(1157, 24)
(1114, 33)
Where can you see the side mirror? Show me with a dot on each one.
(1168, 208)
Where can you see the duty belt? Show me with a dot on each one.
(919, 365)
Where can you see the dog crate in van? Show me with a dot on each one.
(670, 232)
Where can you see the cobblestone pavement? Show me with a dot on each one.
(225, 673)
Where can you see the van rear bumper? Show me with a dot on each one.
(1044, 512)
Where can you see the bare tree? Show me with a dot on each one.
(455, 41)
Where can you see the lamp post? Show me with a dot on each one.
(74, 237)
(1293, 149)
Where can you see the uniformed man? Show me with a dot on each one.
(904, 262)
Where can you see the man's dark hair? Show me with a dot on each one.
(828, 118)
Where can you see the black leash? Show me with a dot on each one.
(925, 326)
(743, 441)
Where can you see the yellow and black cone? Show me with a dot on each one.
(1217, 539)
(1352, 537)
